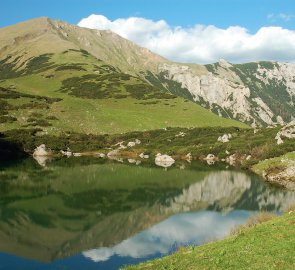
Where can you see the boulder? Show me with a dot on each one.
(164, 160)
(121, 145)
(142, 155)
(188, 157)
(67, 153)
(224, 138)
(101, 155)
(41, 151)
(231, 159)
(210, 157)
(131, 160)
(180, 134)
(131, 144)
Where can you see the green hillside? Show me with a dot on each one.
(74, 91)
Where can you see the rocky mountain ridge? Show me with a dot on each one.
(259, 94)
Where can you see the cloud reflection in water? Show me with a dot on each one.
(179, 230)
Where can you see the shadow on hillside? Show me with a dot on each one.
(10, 150)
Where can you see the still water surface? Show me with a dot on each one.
(82, 214)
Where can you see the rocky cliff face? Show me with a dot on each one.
(259, 94)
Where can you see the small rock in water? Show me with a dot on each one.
(231, 159)
(188, 157)
(67, 153)
(210, 157)
(164, 160)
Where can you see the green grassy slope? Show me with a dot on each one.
(270, 245)
(89, 96)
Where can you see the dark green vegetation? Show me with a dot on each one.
(173, 141)
(112, 85)
(87, 95)
(270, 245)
(160, 81)
(29, 102)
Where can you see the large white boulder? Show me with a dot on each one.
(224, 138)
(164, 160)
(41, 151)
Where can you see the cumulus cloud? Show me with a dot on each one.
(201, 43)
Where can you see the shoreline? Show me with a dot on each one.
(278, 177)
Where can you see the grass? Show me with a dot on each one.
(109, 101)
(273, 163)
(279, 170)
(270, 245)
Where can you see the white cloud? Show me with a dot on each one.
(200, 43)
(281, 16)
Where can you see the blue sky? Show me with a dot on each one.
(196, 31)
(251, 14)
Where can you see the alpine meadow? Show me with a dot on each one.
(142, 139)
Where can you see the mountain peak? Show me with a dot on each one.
(43, 35)
(223, 63)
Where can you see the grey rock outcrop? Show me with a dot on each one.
(234, 90)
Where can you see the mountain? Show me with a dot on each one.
(260, 93)
(61, 77)
(43, 36)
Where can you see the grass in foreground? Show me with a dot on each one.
(270, 245)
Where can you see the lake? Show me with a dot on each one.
(87, 213)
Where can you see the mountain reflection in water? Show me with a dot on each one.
(75, 213)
